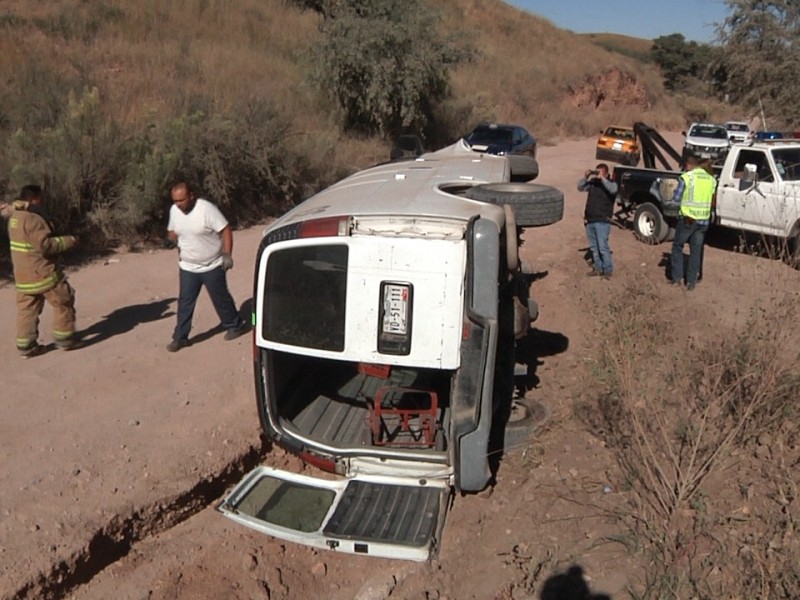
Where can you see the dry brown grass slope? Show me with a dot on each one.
(156, 59)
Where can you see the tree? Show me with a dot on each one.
(383, 63)
(682, 63)
(761, 57)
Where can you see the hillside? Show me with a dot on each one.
(153, 61)
(104, 102)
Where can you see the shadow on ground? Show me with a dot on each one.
(125, 319)
(569, 585)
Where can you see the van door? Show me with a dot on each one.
(390, 517)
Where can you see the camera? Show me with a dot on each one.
(594, 172)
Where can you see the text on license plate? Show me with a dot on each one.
(395, 309)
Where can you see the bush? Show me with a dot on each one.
(113, 186)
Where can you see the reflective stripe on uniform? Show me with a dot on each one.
(21, 247)
(39, 286)
(62, 335)
(25, 343)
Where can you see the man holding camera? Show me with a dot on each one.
(600, 198)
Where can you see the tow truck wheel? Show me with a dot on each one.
(649, 225)
(793, 255)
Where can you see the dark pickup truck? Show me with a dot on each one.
(645, 193)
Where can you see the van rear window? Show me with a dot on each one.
(305, 295)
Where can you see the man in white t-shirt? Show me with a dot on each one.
(205, 243)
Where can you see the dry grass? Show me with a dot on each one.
(706, 431)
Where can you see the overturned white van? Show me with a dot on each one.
(386, 309)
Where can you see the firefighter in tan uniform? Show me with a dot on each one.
(37, 276)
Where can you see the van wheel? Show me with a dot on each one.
(534, 205)
(512, 244)
(649, 225)
(523, 168)
(526, 417)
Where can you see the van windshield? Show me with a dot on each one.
(304, 299)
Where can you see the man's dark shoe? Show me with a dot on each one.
(176, 345)
(593, 273)
(690, 287)
(236, 332)
(607, 276)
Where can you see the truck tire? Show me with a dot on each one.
(793, 247)
(649, 225)
(523, 168)
(534, 205)
(512, 243)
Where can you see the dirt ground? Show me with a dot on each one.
(115, 455)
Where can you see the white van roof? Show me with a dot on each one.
(410, 188)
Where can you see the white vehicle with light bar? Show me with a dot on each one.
(386, 313)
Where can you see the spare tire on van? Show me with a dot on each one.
(534, 205)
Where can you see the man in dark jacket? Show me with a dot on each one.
(37, 277)
(601, 194)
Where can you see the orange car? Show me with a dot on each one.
(618, 144)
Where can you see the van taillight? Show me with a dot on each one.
(331, 226)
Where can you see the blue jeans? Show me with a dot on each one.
(598, 233)
(217, 286)
(695, 234)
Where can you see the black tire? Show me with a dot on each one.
(523, 168)
(534, 205)
(526, 418)
(512, 243)
(649, 225)
(793, 254)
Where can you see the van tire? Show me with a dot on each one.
(512, 244)
(534, 205)
(530, 417)
(649, 225)
(523, 168)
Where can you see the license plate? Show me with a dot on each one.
(617, 146)
(395, 309)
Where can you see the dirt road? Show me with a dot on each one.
(114, 454)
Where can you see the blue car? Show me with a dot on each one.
(504, 139)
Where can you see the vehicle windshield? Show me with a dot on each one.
(787, 161)
(737, 127)
(489, 135)
(709, 131)
(615, 132)
(304, 301)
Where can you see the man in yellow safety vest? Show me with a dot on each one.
(695, 192)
